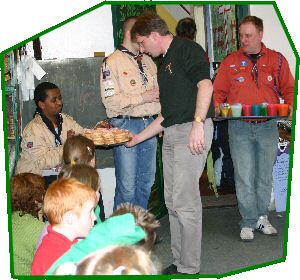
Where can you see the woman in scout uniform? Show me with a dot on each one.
(44, 135)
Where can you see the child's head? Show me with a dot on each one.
(27, 191)
(71, 203)
(113, 260)
(144, 219)
(79, 149)
(85, 174)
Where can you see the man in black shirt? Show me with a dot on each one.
(185, 95)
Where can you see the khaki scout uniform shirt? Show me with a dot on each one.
(122, 84)
(39, 151)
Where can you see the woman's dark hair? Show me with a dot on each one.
(186, 28)
(27, 191)
(40, 92)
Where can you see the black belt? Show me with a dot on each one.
(134, 118)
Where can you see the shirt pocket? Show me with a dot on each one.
(267, 76)
(238, 77)
(130, 81)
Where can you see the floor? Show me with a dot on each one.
(222, 249)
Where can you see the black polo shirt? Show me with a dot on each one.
(183, 66)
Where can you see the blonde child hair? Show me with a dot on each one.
(66, 195)
(112, 260)
(84, 173)
(79, 149)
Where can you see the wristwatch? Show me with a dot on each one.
(199, 119)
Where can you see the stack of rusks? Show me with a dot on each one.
(107, 136)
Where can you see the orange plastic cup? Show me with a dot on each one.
(283, 110)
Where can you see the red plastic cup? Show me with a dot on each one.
(247, 110)
(272, 110)
(283, 110)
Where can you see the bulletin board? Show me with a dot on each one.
(224, 30)
(121, 12)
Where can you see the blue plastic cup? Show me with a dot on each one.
(256, 109)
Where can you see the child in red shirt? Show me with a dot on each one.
(69, 206)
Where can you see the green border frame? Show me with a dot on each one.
(5, 127)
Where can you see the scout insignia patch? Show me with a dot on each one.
(133, 82)
(240, 79)
(244, 63)
(109, 89)
(29, 144)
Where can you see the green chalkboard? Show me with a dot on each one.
(121, 12)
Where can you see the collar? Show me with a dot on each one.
(137, 56)
(262, 51)
(61, 236)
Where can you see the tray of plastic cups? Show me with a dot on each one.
(252, 111)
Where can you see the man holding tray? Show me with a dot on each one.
(130, 94)
(253, 75)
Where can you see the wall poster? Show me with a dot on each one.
(224, 30)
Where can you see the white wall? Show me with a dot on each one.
(274, 35)
(82, 37)
(178, 12)
(201, 26)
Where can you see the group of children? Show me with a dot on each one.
(60, 228)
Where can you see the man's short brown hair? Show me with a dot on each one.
(258, 22)
(147, 23)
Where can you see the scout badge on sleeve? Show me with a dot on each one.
(105, 70)
(109, 89)
(29, 144)
(106, 74)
